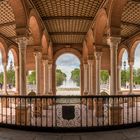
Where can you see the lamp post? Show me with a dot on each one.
(124, 64)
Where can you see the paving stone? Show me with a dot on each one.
(131, 133)
(47, 137)
(69, 137)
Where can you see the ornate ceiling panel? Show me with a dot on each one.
(7, 20)
(70, 17)
(65, 25)
(87, 8)
(67, 39)
(8, 31)
(130, 18)
(6, 13)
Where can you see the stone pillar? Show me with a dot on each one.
(98, 68)
(85, 78)
(90, 68)
(81, 80)
(22, 43)
(119, 77)
(38, 72)
(131, 76)
(45, 67)
(50, 78)
(17, 79)
(113, 42)
(5, 77)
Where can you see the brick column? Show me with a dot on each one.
(85, 78)
(17, 79)
(45, 67)
(131, 76)
(98, 68)
(22, 43)
(38, 71)
(113, 42)
(5, 77)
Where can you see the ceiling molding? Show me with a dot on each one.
(67, 18)
(130, 24)
(8, 39)
(67, 33)
(7, 24)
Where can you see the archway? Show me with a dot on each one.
(67, 74)
(136, 68)
(11, 87)
(125, 72)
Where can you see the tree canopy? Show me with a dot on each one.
(75, 76)
(60, 77)
(32, 78)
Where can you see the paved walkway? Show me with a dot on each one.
(126, 134)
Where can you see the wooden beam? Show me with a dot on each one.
(7, 24)
(131, 37)
(67, 33)
(67, 18)
(136, 1)
(130, 24)
(8, 39)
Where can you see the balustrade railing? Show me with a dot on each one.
(69, 112)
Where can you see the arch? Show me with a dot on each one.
(132, 50)
(19, 11)
(35, 27)
(15, 53)
(68, 50)
(3, 48)
(44, 42)
(120, 53)
(99, 27)
(90, 41)
(85, 51)
(114, 16)
(50, 52)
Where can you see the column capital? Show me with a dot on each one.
(37, 49)
(44, 56)
(113, 41)
(98, 55)
(16, 67)
(131, 63)
(90, 61)
(4, 64)
(38, 54)
(45, 61)
(90, 57)
(22, 41)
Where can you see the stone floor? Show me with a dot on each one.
(125, 134)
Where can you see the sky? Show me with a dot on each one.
(10, 58)
(67, 62)
(136, 58)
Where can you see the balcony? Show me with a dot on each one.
(69, 113)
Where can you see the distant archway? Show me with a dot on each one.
(68, 74)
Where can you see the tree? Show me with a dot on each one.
(1, 77)
(75, 76)
(11, 77)
(104, 76)
(32, 77)
(60, 77)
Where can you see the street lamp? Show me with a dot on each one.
(124, 64)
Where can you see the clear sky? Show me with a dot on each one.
(67, 62)
(10, 58)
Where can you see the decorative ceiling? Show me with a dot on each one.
(7, 20)
(67, 21)
(130, 21)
